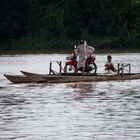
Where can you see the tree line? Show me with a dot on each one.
(53, 24)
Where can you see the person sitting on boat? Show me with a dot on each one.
(109, 66)
(82, 55)
(72, 60)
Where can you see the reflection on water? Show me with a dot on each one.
(82, 90)
(73, 111)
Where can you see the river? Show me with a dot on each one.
(72, 111)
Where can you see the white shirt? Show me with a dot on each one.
(81, 50)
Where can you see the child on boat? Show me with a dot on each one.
(109, 66)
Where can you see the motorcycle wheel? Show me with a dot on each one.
(69, 69)
(92, 68)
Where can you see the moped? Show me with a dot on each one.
(90, 66)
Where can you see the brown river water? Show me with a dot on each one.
(72, 111)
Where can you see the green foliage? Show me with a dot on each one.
(53, 24)
(13, 18)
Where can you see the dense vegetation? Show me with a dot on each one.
(59, 24)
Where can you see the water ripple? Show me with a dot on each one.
(72, 111)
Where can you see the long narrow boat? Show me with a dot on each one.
(61, 77)
(41, 77)
(18, 78)
(32, 74)
(70, 78)
(24, 79)
(88, 78)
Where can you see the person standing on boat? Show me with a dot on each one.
(109, 64)
(89, 50)
(82, 54)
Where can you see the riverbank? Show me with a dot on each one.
(27, 45)
(65, 51)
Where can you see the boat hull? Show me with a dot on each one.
(18, 78)
(24, 79)
(97, 78)
(69, 78)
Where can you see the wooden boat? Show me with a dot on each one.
(61, 77)
(70, 78)
(89, 78)
(40, 77)
(32, 74)
(22, 78)
(18, 78)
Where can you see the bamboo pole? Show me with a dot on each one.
(129, 68)
(50, 68)
(60, 64)
(122, 71)
(118, 68)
